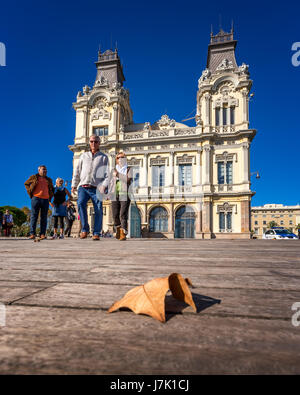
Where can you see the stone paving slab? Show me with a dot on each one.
(57, 294)
(241, 302)
(66, 341)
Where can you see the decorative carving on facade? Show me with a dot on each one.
(146, 126)
(225, 207)
(121, 128)
(118, 90)
(199, 121)
(225, 65)
(158, 161)
(133, 136)
(101, 82)
(225, 157)
(184, 159)
(100, 112)
(184, 132)
(86, 89)
(161, 133)
(166, 122)
(244, 69)
(135, 162)
(204, 76)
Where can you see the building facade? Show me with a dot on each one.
(286, 216)
(189, 182)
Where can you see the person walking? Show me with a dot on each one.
(8, 223)
(91, 179)
(40, 190)
(118, 192)
(70, 218)
(59, 206)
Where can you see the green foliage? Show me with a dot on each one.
(272, 223)
(18, 215)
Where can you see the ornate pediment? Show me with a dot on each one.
(165, 122)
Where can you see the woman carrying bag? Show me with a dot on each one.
(118, 189)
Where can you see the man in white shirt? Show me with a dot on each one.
(91, 174)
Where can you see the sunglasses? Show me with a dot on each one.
(94, 141)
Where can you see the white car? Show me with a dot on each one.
(279, 233)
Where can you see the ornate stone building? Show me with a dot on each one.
(191, 182)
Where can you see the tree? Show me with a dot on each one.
(271, 224)
(18, 215)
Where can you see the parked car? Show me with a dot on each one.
(279, 233)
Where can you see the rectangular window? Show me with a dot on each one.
(135, 176)
(229, 172)
(222, 221)
(185, 174)
(158, 176)
(229, 221)
(101, 131)
(221, 178)
(264, 222)
(224, 116)
(218, 116)
(255, 222)
(232, 116)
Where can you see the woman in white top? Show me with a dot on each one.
(118, 193)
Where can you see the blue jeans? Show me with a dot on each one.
(39, 205)
(84, 195)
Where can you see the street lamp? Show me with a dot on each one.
(257, 174)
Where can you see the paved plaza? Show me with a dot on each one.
(56, 294)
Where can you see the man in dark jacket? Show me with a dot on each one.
(40, 189)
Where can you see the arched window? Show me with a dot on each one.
(159, 220)
(185, 222)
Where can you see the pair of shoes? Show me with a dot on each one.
(96, 237)
(83, 235)
(31, 237)
(122, 234)
(43, 237)
(54, 237)
(118, 232)
(61, 236)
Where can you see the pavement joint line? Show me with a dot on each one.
(136, 285)
(223, 315)
(33, 293)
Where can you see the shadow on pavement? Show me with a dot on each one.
(174, 306)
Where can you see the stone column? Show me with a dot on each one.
(198, 168)
(245, 105)
(115, 118)
(221, 118)
(84, 126)
(171, 220)
(207, 109)
(145, 170)
(171, 168)
(206, 167)
(245, 216)
(206, 219)
(246, 175)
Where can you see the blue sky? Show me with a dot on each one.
(51, 50)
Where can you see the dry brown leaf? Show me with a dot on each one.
(180, 290)
(150, 298)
